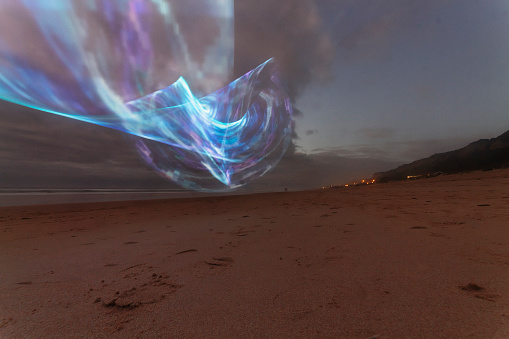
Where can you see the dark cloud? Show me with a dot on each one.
(291, 31)
(311, 131)
(339, 165)
(306, 35)
(339, 151)
(44, 150)
(40, 149)
(297, 113)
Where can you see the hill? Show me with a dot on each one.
(484, 154)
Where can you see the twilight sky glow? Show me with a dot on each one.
(410, 78)
(377, 84)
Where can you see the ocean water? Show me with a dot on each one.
(44, 196)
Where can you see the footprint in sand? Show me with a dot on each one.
(471, 287)
(187, 251)
(219, 261)
(133, 291)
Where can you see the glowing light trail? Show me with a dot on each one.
(102, 62)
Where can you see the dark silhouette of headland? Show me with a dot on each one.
(483, 154)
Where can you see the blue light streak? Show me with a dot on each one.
(103, 61)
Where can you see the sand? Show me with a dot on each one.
(423, 259)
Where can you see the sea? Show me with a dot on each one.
(45, 196)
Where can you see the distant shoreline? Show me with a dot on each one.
(27, 197)
(10, 197)
(38, 190)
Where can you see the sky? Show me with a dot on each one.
(409, 79)
(374, 84)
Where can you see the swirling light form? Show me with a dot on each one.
(98, 60)
(236, 134)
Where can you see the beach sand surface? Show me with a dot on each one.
(413, 259)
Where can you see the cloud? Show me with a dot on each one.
(367, 29)
(376, 133)
(360, 151)
(44, 150)
(40, 149)
(292, 31)
(395, 151)
(339, 165)
(305, 35)
(316, 170)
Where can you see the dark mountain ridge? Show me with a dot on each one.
(484, 154)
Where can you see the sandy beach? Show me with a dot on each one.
(413, 259)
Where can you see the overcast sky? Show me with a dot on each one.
(375, 84)
(409, 78)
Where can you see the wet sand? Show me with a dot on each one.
(424, 259)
